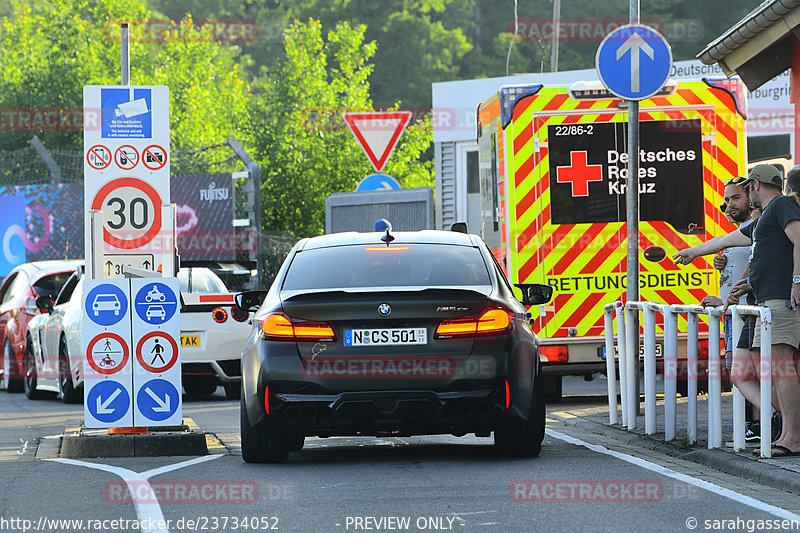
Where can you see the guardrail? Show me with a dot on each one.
(628, 361)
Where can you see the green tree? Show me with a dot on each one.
(48, 54)
(306, 152)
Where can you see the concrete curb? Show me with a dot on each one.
(728, 462)
(80, 442)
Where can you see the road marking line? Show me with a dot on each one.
(146, 513)
(664, 471)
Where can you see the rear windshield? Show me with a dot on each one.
(428, 265)
(200, 280)
(51, 285)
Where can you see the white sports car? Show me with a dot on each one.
(212, 337)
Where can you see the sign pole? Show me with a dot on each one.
(632, 206)
(125, 59)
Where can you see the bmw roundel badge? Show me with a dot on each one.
(384, 309)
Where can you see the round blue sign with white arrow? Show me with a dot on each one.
(106, 304)
(155, 303)
(158, 399)
(377, 182)
(634, 61)
(108, 401)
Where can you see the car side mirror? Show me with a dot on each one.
(45, 303)
(249, 300)
(535, 293)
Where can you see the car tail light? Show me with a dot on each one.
(239, 314)
(492, 321)
(508, 395)
(558, 353)
(266, 398)
(219, 315)
(279, 327)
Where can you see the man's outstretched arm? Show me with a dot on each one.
(735, 238)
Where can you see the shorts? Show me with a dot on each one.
(785, 324)
(749, 328)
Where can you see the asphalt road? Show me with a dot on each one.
(581, 482)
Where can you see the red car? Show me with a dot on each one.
(18, 305)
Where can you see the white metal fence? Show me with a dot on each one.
(628, 342)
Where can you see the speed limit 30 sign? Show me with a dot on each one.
(131, 185)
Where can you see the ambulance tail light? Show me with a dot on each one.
(557, 353)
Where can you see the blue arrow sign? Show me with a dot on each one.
(108, 401)
(155, 303)
(158, 399)
(106, 304)
(634, 61)
(377, 182)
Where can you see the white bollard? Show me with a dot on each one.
(623, 363)
(691, 367)
(649, 323)
(738, 399)
(608, 323)
(766, 382)
(714, 383)
(670, 372)
(632, 362)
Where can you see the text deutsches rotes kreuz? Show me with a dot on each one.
(617, 172)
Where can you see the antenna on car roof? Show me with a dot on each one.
(387, 238)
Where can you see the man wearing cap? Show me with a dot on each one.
(774, 272)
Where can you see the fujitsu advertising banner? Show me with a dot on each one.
(205, 217)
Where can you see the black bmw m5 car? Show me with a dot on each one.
(394, 334)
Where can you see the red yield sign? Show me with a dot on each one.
(378, 133)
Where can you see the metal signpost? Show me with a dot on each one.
(633, 62)
(132, 370)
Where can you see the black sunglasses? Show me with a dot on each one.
(723, 207)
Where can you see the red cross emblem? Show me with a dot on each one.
(579, 173)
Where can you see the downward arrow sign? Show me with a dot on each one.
(102, 407)
(635, 44)
(163, 406)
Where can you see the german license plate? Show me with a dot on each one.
(659, 350)
(385, 337)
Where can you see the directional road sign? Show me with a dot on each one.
(634, 61)
(157, 363)
(108, 402)
(378, 133)
(107, 355)
(378, 182)
(158, 400)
